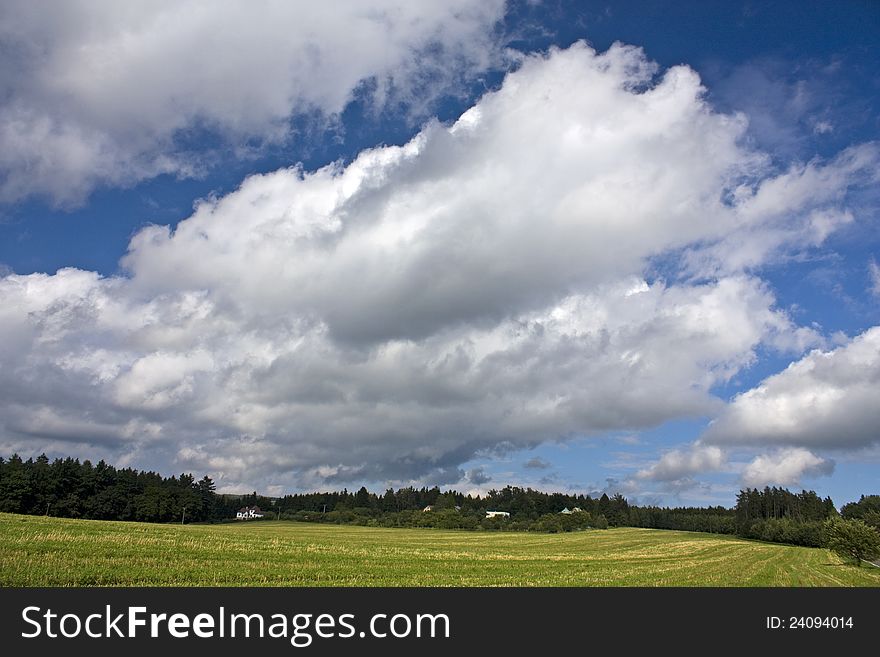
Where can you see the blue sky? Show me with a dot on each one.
(625, 247)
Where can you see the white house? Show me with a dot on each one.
(497, 514)
(248, 513)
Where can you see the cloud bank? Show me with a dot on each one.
(480, 289)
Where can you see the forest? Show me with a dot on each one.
(72, 488)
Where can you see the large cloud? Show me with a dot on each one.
(179, 377)
(480, 288)
(111, 93)
(828, 399)
(565, 178)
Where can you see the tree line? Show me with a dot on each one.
(529, 510)
(73, 489)
(780, 516)
(69, 488)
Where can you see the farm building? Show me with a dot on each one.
(497, 514)
(248, 513)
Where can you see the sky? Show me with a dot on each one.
(628, 247)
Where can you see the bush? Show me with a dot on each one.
(785, 530)
(852, 539)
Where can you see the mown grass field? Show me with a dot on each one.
(38, 551)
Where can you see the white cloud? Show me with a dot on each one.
(827, 399)
(476, 290)
(823, 127)
(787, 213)
(874, 275)
(786, 467)
(109, 93)
(683, 464)
(564, 178)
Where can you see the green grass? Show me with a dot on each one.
(38, 551)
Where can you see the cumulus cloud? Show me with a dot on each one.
(679, 465)
(111, 93)
(827, 399)
(476, 290)
(786, 467)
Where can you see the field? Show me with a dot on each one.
(39, 551)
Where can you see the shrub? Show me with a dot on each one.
(852, 539)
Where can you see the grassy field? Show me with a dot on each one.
(38, 551)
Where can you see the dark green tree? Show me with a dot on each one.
(362, 498)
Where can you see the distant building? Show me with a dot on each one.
(568, 511)
(248, 513)
(497, 514)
